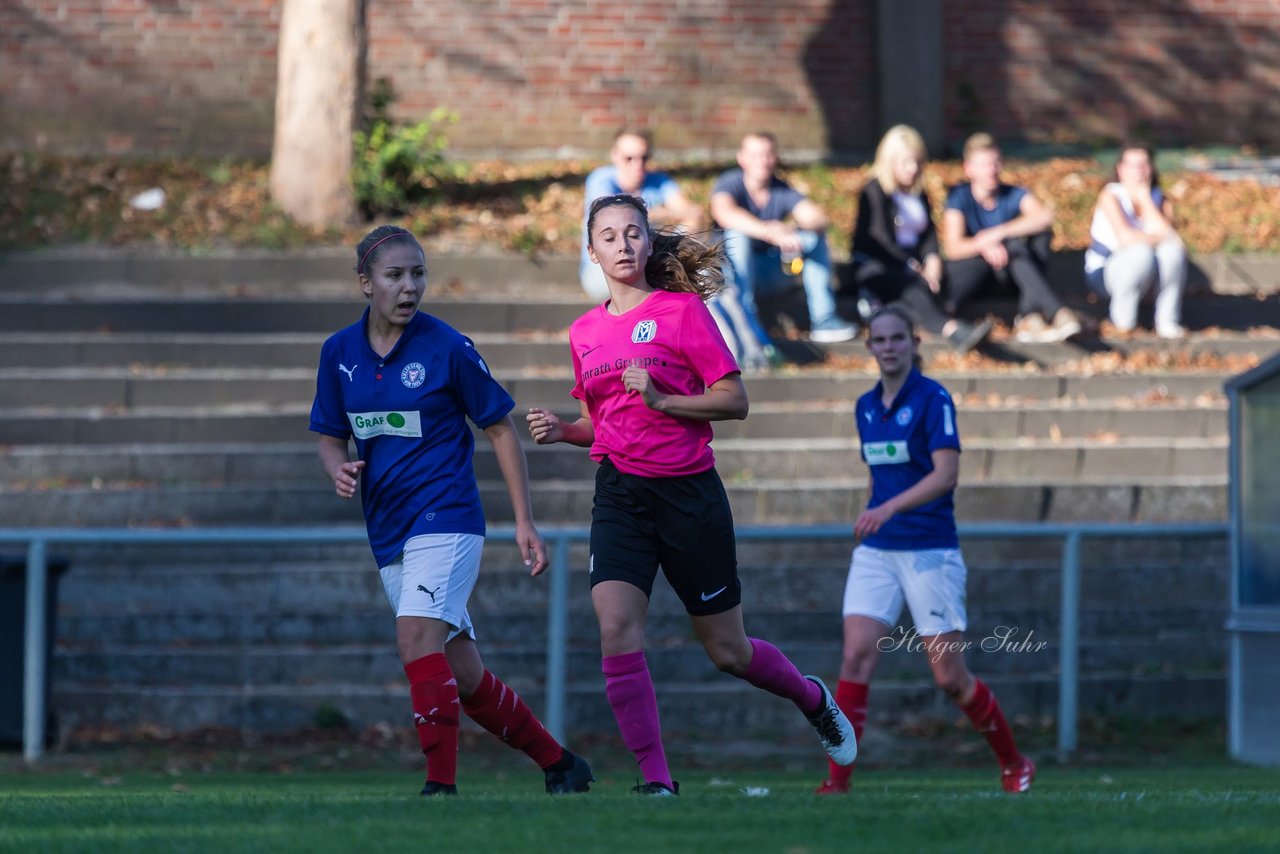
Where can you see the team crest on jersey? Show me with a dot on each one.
(904, 416)
(644, 332)
(413, 375)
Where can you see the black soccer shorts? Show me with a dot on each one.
(683, 524)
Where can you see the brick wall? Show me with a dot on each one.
(1183, 71)
(542, 76)
(138, 76)
(546, 74)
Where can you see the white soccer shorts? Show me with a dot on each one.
(930, 580)
(434, 578)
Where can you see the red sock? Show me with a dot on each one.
(500, 710)
(983, 710)
(851, 697)
(434, 693)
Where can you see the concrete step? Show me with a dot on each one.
(87, 272)
(270, 314)
(502, 350)
(154, 386)
(264, 595)
(736, 459)
(994, 648)
(271, 422)
(262, 637)
(785, 501)
(722, 710)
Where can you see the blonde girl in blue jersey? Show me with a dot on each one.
(906, 547)
(403, 386)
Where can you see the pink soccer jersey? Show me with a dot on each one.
(675, 338)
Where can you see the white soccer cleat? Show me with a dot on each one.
(834, 730)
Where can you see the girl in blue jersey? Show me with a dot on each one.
(403, 385)
(907, 546)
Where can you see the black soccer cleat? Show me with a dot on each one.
(576, 777)
(658, 790)
(432, 789)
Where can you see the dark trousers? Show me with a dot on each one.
(1027, 271)
(895, 284)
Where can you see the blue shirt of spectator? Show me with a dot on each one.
(897, 446)
(782, 200)
(407, 413)
(1008, 202)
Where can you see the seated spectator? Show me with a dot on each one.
(1133, 245)
(993, 234)
(753, 206)
(895, 244)
(628, 172)
(668, 208)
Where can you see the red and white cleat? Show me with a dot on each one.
(830, 787)
(1018, 776)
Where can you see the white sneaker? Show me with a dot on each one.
(834, 730)
(1171, 331)
(1064, 326)
(833, 330)
(1030, 329)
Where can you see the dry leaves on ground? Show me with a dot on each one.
(534, 208)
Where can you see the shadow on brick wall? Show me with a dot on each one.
(1174, 71)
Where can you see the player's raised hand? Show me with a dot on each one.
(347, 478)
(637, 380)
(545, 427)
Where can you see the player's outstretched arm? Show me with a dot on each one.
(515, 471)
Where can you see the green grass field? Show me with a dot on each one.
(1191, 808)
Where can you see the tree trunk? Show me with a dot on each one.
(316, 90)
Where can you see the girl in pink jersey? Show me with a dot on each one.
(652, 372)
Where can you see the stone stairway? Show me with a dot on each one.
(174, 396)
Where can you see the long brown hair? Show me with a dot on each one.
(680, 262)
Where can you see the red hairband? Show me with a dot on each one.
(360, 266)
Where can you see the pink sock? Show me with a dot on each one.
(629, 687)
(771, 670)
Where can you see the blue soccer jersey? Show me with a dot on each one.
(408, 415)
(897, 446)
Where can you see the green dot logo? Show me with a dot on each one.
(395, 419)
(891, 450)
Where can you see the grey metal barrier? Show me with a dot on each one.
(558, 539)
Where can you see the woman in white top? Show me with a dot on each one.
(1134, 245)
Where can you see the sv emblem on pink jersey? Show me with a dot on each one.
(644, 332)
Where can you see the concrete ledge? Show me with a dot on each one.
(1141, 498)
(72, 267)
(726, 706)
(99, 268)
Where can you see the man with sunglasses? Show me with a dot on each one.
(628, 172)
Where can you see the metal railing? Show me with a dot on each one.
(37, 542)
